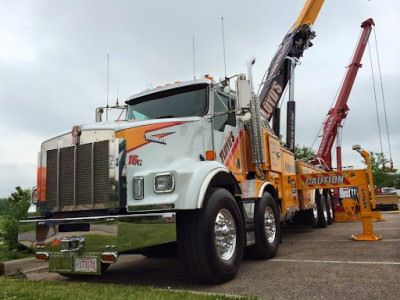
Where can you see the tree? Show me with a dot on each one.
(303, 152)
(4, 206)
(383, 177)
(19, 202)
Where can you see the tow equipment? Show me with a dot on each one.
(353, 178)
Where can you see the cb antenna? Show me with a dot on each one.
(194, 61)
(108, 79)
(223, 42)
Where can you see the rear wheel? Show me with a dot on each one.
(266, 227)
(322, 210)
(313, 215)
(310, 216)
(331, 211)
(211, 240)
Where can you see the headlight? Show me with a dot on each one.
(138, 188)
(164, 183)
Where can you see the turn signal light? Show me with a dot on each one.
(210, 155)
(42, 256)
(108, 258)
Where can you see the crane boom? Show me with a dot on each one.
(292, 47)
(339, 112)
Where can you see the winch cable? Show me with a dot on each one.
(326, 117)
(376, 101)
(383, 100)
(338, 90)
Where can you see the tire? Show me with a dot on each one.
(266, 228)
(310, 216)
(322, 210)
(211, 240)
(331, 210)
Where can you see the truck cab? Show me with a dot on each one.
(179, 160)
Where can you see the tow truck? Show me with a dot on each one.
(194, 165)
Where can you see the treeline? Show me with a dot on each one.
(4, 206)
(13, 209)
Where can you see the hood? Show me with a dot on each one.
(104, 131)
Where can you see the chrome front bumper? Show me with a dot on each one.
(94, 236)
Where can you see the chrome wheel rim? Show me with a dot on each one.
(225, 234)
(325, 210)
(269, 224)
(315, 212)
(330, 209)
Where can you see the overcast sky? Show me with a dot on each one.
(53, 64)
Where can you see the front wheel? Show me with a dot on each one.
(266, 228)
(211, 240)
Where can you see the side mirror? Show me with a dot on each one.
(34, 196)
(243, 92)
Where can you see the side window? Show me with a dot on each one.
(224, 109)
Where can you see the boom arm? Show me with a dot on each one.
(292, 47)
(339, 112)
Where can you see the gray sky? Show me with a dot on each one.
(53, 64)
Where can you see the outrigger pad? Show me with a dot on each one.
(367, 237)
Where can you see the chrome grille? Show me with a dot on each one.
(100, 172)
(51, 178)
(84, 174)
(66, 176)
(78, 177)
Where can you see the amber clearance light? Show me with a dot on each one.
(42, 256)
(210, 155)
(108, 258)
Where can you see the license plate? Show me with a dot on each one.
(86, 264)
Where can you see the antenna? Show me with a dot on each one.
(108, 79)
(194, 61)
(223, 42)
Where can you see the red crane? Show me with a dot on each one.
(339, 112)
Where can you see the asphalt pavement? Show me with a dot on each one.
(322, 263)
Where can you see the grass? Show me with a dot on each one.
(25, 289)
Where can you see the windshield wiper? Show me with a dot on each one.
(165, 117)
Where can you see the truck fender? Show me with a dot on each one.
(267, 186)
(227, 177)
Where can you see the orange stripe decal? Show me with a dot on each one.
(135, 137)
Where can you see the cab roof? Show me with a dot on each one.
(169, 87)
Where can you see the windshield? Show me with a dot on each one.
(180, 102)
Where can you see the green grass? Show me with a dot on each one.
(25, 289)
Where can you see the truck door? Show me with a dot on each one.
(228, 133)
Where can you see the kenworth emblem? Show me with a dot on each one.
(157, 138)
